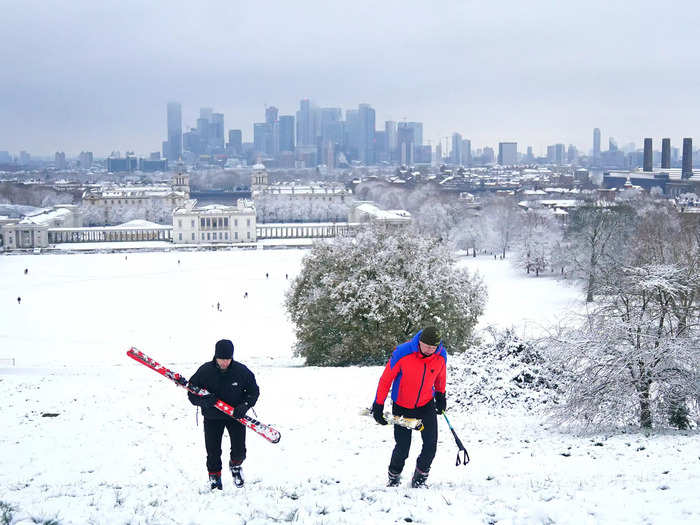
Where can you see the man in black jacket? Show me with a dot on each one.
(232, 383)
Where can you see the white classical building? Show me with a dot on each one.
(32, 230)
(214, 223)
(114, 204)
(292, 202)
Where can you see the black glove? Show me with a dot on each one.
(208, 401)
(378, 413)
(240, 410)
(440, 402)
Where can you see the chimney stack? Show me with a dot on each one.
(687, 171)
(665, 154)
(648, 155)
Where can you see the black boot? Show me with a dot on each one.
(237, 474)
(394, 479)
(215, 481)
(419, 479)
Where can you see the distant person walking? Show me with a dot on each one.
(233, 383)
(417, 376)
(26, 271)
(19, 300)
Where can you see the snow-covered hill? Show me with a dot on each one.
(125, 446)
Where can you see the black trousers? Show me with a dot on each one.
(402, 436)
(213, 434)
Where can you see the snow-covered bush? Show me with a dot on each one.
(508, 372)
(357, 298)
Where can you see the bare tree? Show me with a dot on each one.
(596, 234)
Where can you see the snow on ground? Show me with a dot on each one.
(125, 446)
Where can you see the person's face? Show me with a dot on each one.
(427, 349)
(223, 363)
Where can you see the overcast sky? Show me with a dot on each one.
(96, 75)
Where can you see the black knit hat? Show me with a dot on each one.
(430, 336)
(224, 349)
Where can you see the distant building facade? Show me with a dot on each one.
(214, 224)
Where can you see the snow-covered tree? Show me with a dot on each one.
(597, 236)
(503, 220)
(357, 298)
(538, 241)
(636, 358)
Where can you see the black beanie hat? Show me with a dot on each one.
(224, 349)
(430, 336)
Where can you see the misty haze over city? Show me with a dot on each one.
(94, 76)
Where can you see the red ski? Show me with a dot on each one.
(266, 431)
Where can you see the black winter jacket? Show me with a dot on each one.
(234, 385)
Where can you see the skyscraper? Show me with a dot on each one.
(456, 155)
(507, 153)
(235, 141)
(216, 132)
(391, 139)
(665, 154)
(648, 155)
(286, 133)
(306, 132)
(366, 134)
(271, 114)
(596, 143)
(466, 152)
(406, 144)
(174, 131)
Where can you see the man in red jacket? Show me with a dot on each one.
(416, 374)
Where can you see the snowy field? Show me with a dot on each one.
(125, 446)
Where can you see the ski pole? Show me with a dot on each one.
(460, 460)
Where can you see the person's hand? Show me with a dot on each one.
(378, 413)
(240, 410)
(440, 402)
(208, 401)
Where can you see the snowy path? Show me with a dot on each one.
(125, 448)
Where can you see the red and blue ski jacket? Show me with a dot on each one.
(415, 377)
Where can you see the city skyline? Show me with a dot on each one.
(538, 74)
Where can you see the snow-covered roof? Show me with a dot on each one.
(137, 224)
(46, 217)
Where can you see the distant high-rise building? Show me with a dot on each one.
(417, 128)
(612, 145)
(687, 170)
(24, 158)
(530, 157)
(271, 115)
(286, 133)
(85, 160)
(648, 155)
(556, 154)
(60, 160)
(262, 137)
(571, 154)
(406, 144)
(438, 154)
(507, 153)
(456, 155)
(466, 152)
(488, 156)
(206, 113)
(235, 142)
(596, 143)
(216, 132)
(665, 154)
(5, 157)
(391, 139)
(174, 146)
(331, 126)
(366, 134)
(306, 124)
